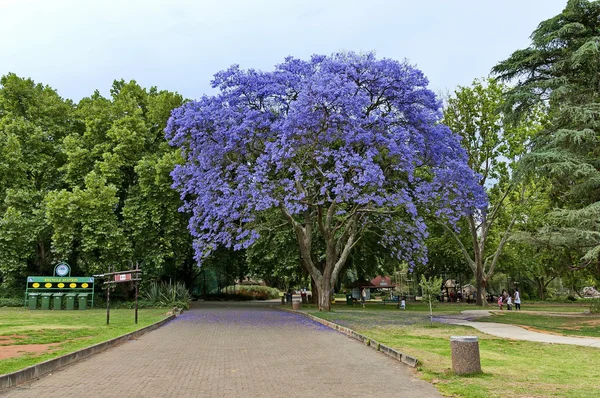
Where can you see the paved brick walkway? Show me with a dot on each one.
(234, 350)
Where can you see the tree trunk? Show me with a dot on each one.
(541, 287)
(480, 280)
(480, 298)
(324, 296)
(315, 291)
(41, 255)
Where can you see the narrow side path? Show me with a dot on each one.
(512, 331)
(234, 350)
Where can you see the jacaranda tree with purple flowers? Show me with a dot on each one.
(337, 145)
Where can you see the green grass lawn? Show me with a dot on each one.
(452, 308)
(571, 325)
(71, 330)
(376, 305)
(510, 368)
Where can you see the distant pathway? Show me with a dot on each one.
(234, 350)
(512, 331)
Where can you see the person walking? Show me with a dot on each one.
(500, 301)
(363, 296)
(509, 302)
(517, 300)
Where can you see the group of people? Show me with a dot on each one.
(509, 299)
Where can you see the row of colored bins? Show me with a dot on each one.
(57, 301)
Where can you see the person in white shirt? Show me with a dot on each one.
(403, 303)
(509, 302)
(517, 300)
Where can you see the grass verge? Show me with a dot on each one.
(568, 325)
(64, 331)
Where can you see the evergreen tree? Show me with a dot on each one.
(559, 71)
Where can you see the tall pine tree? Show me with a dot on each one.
(559, 70)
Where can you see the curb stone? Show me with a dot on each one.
(36, 371)
(390, 352)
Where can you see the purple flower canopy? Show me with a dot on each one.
(348, 129)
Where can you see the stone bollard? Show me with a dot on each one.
(465, 355)
(296, 305)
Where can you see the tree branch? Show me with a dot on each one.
(463, 249)
(499, 248)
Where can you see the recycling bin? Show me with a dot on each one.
(57, 301)
(70, 304)
(46, 300)
(32, 301)
(82, 298)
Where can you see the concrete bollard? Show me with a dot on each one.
(465, 355)
(296, 304)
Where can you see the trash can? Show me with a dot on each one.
(70, 304)
(32, 301)
(296, 305)
(57, 301)
(46, 301)
(82, 297)
(349, 300)
(465, 355)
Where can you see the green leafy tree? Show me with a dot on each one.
(559, 71)
(493, 146)
(118, 206)
(33, 121)
(431, 289)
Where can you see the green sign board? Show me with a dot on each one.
(61, 283)
(57, 283)
(56, 279)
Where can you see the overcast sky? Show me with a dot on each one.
(77, 46)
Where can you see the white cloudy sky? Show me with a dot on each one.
(77, 46)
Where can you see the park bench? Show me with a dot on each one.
(394, 300)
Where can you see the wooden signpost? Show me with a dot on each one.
(114, 277)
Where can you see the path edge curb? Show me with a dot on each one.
(35, 371)
(377, 346)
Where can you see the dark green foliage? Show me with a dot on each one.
(252, 292)
(33, 122)
(559, 71)
(89, 184)
(11, 302)
(166, 294)
(594, 306)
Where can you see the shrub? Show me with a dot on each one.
(227, 297)
(167, 294)
(11, 302)
(571, 298)
(251, 292)
(594, 306)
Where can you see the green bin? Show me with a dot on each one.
(32, 300)
(46, 301)
(82, 300)
(71, 301)
(57, 298)
(349, 300)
